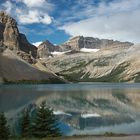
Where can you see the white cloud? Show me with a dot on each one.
(8, 6)
(34, 3)
(37, 43)
(30, 17)
(34, 17)
(29, 11)
(117, 20)
(46, 19)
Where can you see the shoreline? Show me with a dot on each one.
(99, 137)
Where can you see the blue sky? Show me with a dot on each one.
(58, 20)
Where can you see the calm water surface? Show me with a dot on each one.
(86, 108)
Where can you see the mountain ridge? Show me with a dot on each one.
(110, 65)
(77, 43)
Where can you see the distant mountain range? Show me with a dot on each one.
(80, 59)
(79, 44)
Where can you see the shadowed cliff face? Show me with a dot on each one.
(11, 38)
(13, 69)
(17, 57)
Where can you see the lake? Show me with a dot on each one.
(84, 108)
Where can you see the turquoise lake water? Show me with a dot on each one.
(84, 108)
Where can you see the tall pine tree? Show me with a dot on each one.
(4, 129)
(25, 124)
(45, 124)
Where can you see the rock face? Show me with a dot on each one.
(45, 49)
(79, 42)
(27, 57)
(25, 46)
(11, 38)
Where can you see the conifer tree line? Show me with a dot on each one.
(43, 124)
(4, 129)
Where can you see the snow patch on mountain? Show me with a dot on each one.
(89, 50)
(59, 53)
(37, 43)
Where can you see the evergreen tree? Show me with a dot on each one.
(4, 129)
(45, 124)
(25, 124)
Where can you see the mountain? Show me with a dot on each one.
(12, 38)
(78, 44)
(119, 64)
(18, 63)
(13, 69)
(45, 49)
(80, 59)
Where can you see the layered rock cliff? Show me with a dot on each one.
(11, 37)
(78, 42)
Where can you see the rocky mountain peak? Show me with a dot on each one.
(46, 44)
(9, 34)
(5, 18)
(11, 37)
(45, 49)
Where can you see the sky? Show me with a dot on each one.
(59, 20)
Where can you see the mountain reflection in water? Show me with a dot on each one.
(81, 108)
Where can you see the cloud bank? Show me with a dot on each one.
(118, 19)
